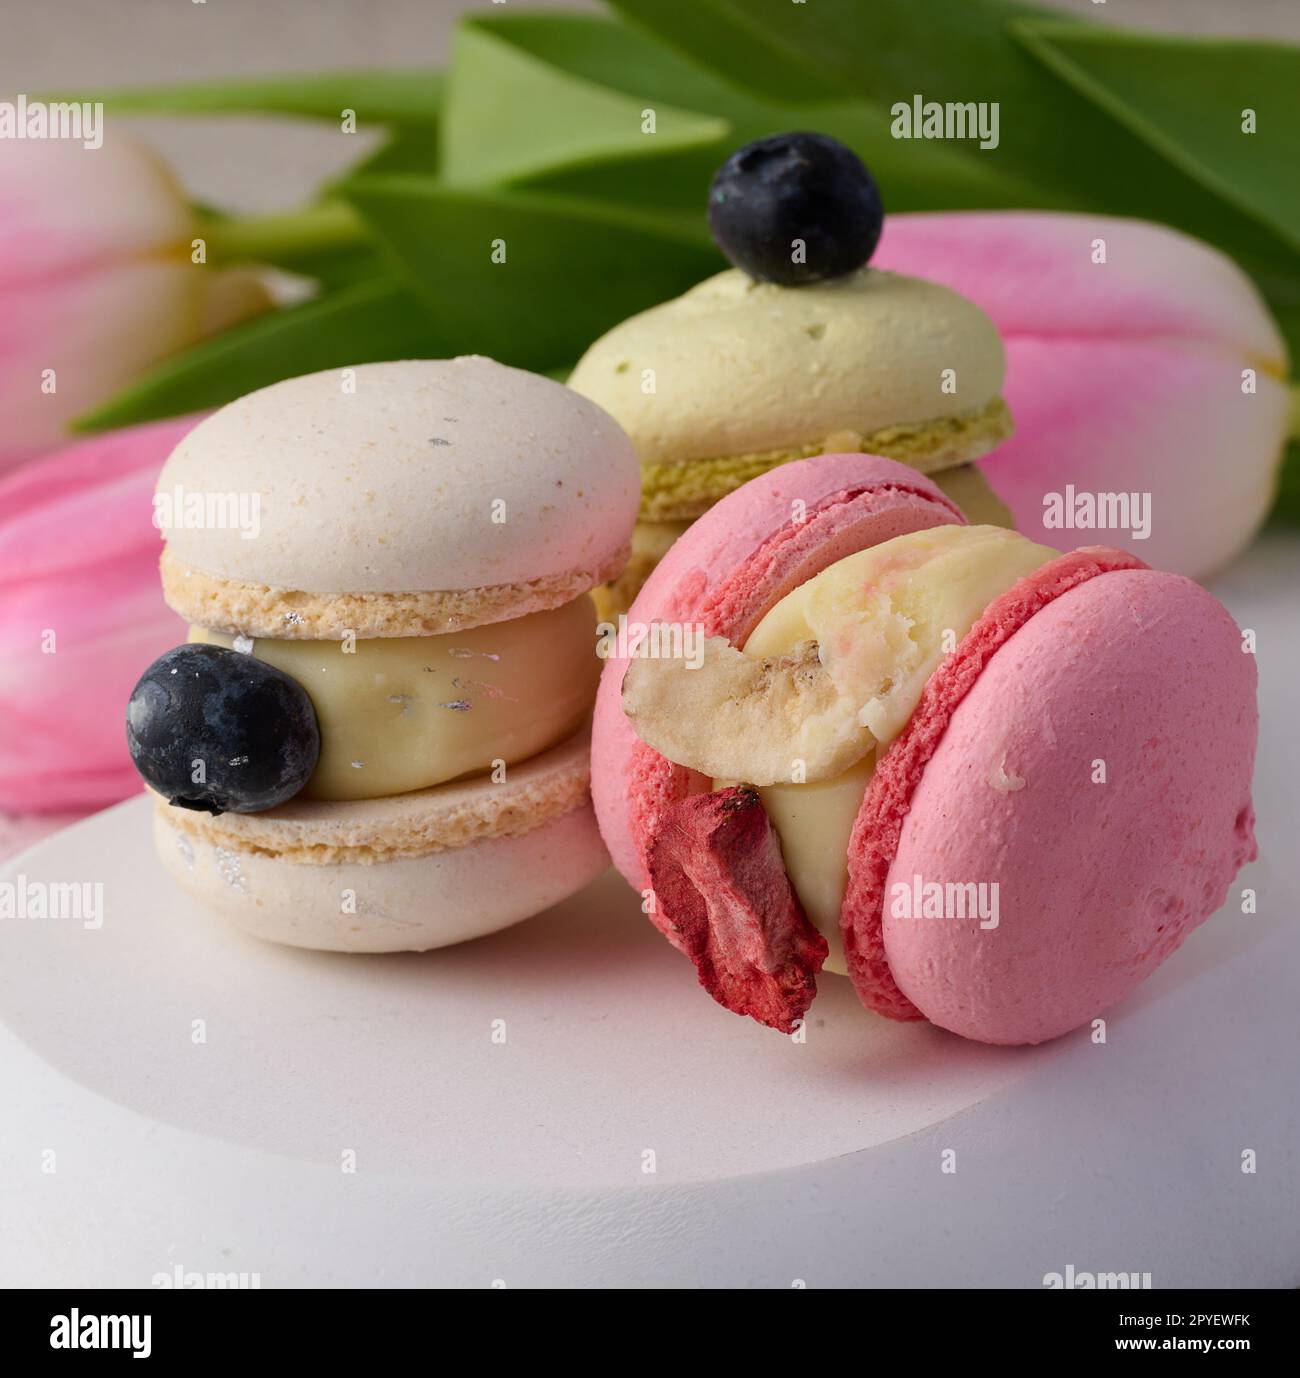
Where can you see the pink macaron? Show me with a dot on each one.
(1092, 668)
(771, 535)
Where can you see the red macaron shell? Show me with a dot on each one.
(997, 780)
(734, 564)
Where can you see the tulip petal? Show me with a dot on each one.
(81, 616)
(97, 331)
(1034, 273)
(1152, 418)
(1127, 375)
(96, 282)
(65, 209)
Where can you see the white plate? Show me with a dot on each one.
(628, 1132)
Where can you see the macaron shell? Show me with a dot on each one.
(440, 818)
(425, 869)
(424, 475)
(407, 905)
(874, 840)
(1098, 882)
(744, 555)
(859, 353)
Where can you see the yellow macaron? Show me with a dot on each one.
(739, 375)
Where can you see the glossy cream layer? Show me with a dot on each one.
(813, 822)
(404, 713)
(884, 619)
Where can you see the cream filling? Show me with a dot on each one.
(403, 713)
(651, 541)
(883, 620)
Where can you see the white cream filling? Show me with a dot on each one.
(404, 713)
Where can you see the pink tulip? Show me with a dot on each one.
(1123, 376)
(81, 616)
(96, 281)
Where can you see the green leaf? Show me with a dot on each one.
(376, 319)
(334, 267)
(393, 97)
(1051, 136)
(1185, 97)
(933, 180)
(416, 149)
(571, 270)
(944, 50)
(741, 42)
(609, 53)
(324, 225)
(1282, 292)
(1286, 509)
(408, 150)
(508, 114)
(590, 54)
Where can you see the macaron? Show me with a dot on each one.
(376, 737)
(773, 361)
(995, 785)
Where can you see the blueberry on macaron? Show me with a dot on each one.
(795, 208)
(219, 731)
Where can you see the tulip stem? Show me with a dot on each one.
(288, 235)
(1293, 430)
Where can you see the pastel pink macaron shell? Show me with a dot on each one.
(1099, 883)
(888, 797)
(739, 559)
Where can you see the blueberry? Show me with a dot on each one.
(795, 187)
(246, 730)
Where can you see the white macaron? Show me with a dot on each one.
(412, 543)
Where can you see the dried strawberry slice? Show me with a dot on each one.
(720, 886)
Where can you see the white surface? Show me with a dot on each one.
(523, 1161)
